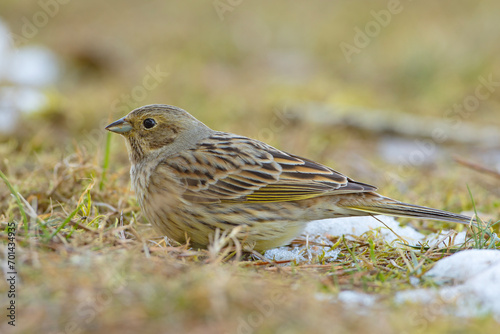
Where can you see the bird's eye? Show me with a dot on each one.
(149, 123)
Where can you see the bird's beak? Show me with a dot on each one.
(120, 126)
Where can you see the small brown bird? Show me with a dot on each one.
(191, 180)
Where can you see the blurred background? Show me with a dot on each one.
(387, 92)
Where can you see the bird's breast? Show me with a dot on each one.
(140, 175)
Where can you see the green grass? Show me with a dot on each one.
(107, 269)
(17, 197)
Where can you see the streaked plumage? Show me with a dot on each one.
(190, 180)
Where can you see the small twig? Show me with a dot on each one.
(307, 266)
(477, 167)
(83, 227)
(266, 263)
(106, 205)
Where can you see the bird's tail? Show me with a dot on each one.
(400, 209)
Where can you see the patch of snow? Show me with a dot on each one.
(485, 288)
(464, 265)
(331, 255)
(16, 100)
(415, 281)
(27, 70)
(285, 254)
(34, 66)
(5, 47)
(440, 240)
(318, 231)
(359, 302)
(302, 253)
(356, 299)
(476, 274)
(422, 296)
(359, 225)
(320, 296)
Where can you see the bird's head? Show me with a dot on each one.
(158, 129)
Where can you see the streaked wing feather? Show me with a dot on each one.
(229, 168)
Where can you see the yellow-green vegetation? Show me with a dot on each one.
(88, 262)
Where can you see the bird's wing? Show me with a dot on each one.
(230, 168)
